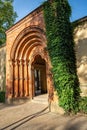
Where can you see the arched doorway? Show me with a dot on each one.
(39, 82)
(30, 65)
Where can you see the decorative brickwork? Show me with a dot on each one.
(27, 58)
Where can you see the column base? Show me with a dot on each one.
(18, 100)
(8, 101)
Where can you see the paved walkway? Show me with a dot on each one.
(36, 116)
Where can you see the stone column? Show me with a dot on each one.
(16, 78)
(28, 78)
(20, 78)
(30, 81)
(13, 76)
(26, 91)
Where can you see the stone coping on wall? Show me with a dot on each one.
(31, 14)
(80, 20)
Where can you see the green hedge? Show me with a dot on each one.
(2, 96)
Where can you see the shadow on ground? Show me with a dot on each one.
(25, 119)
(77, 123)
(45, 120)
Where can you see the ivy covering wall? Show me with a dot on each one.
(61, 50)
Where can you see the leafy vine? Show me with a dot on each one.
(61, 50)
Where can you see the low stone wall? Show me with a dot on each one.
(2, 67)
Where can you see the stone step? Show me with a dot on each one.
(43, 99)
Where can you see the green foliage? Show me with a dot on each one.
(83, 105)
(61, 50)
(7, 18)
(2, 96)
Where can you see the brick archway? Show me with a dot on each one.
(27, 37)
(30, 43)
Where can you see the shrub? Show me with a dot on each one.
(83, 105)
(2, 96)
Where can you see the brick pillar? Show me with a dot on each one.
(9, 83)
(11, 64)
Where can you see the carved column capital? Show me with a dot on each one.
(25, 62)
(20, 62)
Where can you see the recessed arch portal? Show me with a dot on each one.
(29, 58)
(29, 34)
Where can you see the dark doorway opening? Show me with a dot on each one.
(37, 81)
(39, 76)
